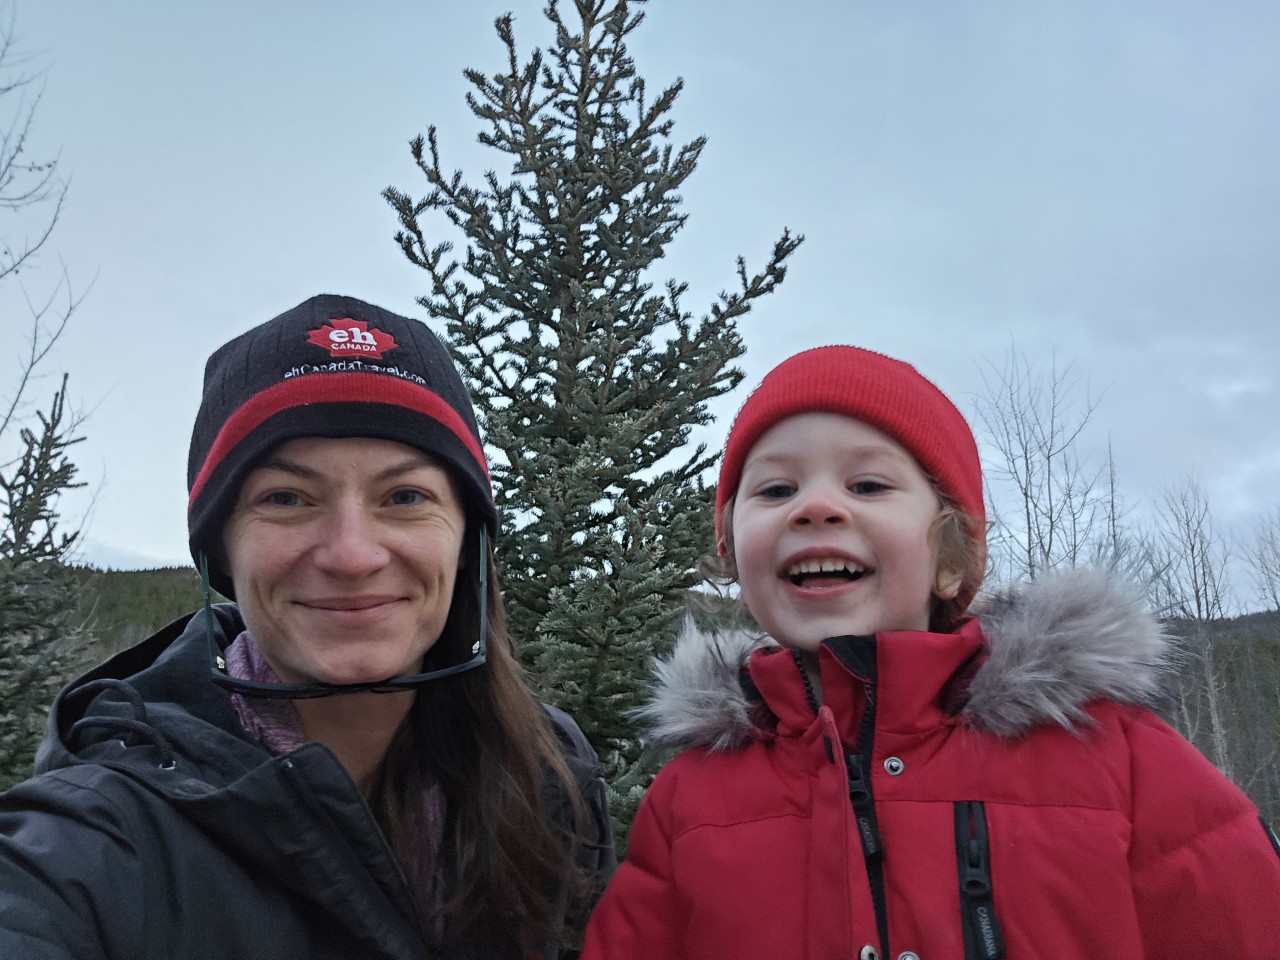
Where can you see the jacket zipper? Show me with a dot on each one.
(982, 939)
(857, 767)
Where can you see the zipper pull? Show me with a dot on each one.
(982, 940)
(864, 807)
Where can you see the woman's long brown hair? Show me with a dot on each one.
(484, 739)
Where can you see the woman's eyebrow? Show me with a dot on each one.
(291, 467)
(407, 465)
(296, 469)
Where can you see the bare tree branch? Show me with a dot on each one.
(1195, 582)
(1262, 555)
(1049, 507)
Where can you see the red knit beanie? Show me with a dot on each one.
(888, 394)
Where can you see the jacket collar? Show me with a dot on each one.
(229, 786)
(1033, 654)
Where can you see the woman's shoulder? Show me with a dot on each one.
(579, 757)
(82, 793)
(72, 845)
(570, 736)
(595, 853)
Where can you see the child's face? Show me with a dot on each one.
(832, 532)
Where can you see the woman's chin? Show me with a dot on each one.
(345, 675)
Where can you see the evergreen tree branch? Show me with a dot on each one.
(588, 379)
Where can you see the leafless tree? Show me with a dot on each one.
(1227, 686)
(1226, 700)
(25, 182)
(1194, 583)
(1050, 505)
(32, 193)
(1261, 552)
(41, 643)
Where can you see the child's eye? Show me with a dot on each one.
(868, 487)
(777, 491)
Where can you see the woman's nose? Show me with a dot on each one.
(819, 503)
(349, 546)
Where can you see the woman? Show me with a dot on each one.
(345, 762)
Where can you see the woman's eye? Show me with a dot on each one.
(282, 498)
(407, 498)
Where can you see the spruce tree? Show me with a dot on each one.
(39, 649)
(587, 378)
(41, 644)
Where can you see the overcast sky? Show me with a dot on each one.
(1090, 181)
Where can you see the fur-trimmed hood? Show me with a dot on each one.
(1054, 645)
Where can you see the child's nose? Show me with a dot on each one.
(348, 545)
(819, 504)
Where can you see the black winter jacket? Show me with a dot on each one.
(157, 828)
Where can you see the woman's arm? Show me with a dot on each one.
(70, 884)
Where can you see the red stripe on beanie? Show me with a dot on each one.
(332, 388)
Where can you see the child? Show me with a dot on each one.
(889, 774)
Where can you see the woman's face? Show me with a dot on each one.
(343, 554)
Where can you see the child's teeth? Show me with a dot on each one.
(823, 566)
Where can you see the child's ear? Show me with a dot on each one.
(946, 584)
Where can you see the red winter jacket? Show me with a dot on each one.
(994, 792)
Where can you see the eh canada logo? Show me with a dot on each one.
(344, 337)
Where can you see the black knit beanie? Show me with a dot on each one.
(330, 367)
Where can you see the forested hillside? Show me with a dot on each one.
(1226, 699)
(121, 607)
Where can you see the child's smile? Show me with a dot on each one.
(822, 573)
(832, 531)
